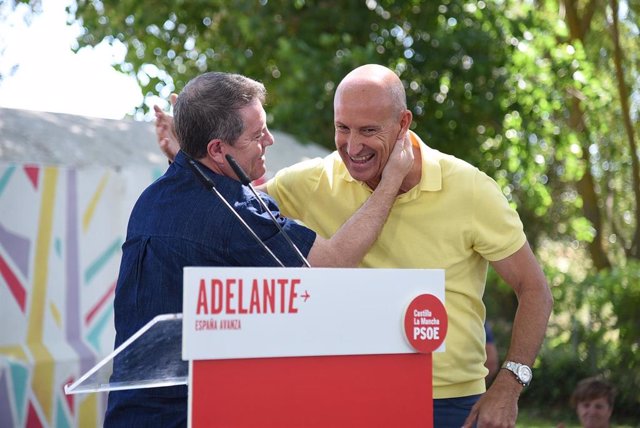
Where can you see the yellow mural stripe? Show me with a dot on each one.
(91, 208)
(56, 314)
(14, 351)
(88, 412)
(42, 380)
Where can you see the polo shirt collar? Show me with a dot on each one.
(431, 180)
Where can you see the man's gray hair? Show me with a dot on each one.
(209, 107)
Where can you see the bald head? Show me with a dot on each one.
(374, 80)
(370, 116)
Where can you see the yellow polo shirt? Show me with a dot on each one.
(455, 219)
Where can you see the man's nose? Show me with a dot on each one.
(268, 139)
(354, 146)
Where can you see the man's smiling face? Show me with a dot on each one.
(366, 129)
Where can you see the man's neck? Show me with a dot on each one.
(413, 177)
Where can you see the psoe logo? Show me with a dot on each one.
(425, 323)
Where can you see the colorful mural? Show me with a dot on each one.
(61, 229)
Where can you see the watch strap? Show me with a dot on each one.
(514, 368)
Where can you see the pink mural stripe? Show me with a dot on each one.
(103, 300)
(32, 173)
(17, 290)
(42, 382)
(33, 421)
(17, 247)
(69, 397)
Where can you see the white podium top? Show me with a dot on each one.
(289, 312)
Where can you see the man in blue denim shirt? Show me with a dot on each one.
(177, 222)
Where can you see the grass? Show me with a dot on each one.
(527, 420)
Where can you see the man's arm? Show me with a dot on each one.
(348, 246)
(499, 405)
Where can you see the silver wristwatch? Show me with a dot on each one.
(522, 372)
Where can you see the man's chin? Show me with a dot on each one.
(359, 172)
(259, 173)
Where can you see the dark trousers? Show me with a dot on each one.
(452, 412)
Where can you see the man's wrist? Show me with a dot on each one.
(521, 372)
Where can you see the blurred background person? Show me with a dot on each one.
(593, 401)
(492, 362)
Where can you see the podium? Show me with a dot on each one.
(291, 347)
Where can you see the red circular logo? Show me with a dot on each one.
(425, 323)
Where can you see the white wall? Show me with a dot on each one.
(67, 186)
(61, 229)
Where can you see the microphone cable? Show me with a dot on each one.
(210, 185)
(244, 179)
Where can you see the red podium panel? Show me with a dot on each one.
(285, 347)
(333, 391)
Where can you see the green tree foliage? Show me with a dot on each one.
(483, 82)
(542, 95)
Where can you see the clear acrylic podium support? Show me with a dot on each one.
(151, 358)
(338, 347)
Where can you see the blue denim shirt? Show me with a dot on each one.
(177, 222)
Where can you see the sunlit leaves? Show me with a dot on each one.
(499, 84)
(489, 82)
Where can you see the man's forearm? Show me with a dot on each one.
(523, 273)
(351, 242)
(530, 325)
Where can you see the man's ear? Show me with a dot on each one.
(215, 151)
(405, 121)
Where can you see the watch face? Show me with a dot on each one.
(524, 373)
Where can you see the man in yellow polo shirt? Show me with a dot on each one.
(448, 215)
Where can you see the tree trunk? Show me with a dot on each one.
(578, 28)
(623, 93)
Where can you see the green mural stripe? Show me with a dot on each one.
(19, 378)
(5, 178)
(102, 260)
(96, 332)
(156, 173)
(62, 421)
(57, 245)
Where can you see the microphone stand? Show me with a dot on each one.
(210, 185)
(244, 179)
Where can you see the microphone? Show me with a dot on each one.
(210, 185)
(245, 180)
